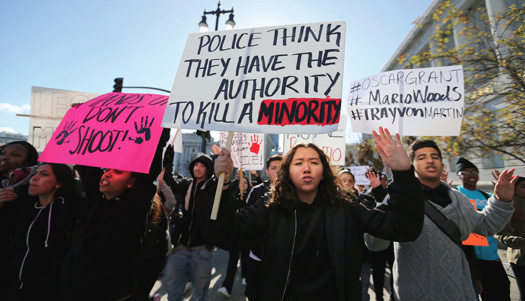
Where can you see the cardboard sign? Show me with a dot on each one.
(333, 144)
(115, 130)
(247, 150)
(359, 173)
(412, 102)
(48, 107)
(282, 79)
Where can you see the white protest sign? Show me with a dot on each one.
(333, 144)
(359, 173)
(412, 102)
(281, 79)
(48, 107)
(247, 150)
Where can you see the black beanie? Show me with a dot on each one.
(463, 163)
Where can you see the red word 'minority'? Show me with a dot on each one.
(304, 111)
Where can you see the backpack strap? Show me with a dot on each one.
(446, 225)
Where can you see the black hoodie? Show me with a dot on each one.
(197, 202)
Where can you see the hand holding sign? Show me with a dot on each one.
(224, 164)
(392, 152)
(224, 170)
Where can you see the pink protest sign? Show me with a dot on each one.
(114, 130)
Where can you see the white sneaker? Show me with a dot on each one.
(243, 281)
(224, 291)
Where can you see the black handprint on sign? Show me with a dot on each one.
(69, 128)
(144, 129)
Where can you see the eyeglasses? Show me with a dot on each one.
(468, 172)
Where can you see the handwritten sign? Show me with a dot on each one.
(415, 102)
(333, 144)
(359, 173)
(48, 107)
(285, 79)
(247, 150)
(115, 130)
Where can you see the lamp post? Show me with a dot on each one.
(203, 27)
(230, 23)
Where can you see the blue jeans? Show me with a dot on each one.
(184, 265)
(365, 280)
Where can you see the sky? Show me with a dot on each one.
(83, 45)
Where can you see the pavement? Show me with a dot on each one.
(220, 261)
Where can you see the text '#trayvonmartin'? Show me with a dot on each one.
(272, 79)
(419, 102)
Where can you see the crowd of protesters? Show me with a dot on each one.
(306, 233)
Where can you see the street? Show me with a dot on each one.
(220, 260)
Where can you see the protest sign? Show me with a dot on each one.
(359, 173)
(247, 150)
(48, 107)
(333, 144)
(115, 130)
(412, 102)
(282, 79)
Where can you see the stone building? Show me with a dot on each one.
(419, 41)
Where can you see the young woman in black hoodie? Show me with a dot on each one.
(46, 222)
(102, 263)
(313, 232)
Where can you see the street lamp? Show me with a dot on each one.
(203, 27)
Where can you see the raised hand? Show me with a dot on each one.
(392, 152)
(374, 179)
(215, 149)
(444, 177)
(504, 189)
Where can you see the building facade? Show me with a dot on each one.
(6, 137)
(420, 41)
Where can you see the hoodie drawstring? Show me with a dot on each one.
(46, 244)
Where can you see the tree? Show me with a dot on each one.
(492, 53)
(364, 153)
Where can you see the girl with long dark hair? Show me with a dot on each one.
(46, 222)
(313, 231)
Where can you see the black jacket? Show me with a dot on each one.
(102, 263)
(402, 220)
(199, 197)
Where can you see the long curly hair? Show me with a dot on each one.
(331, 189)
